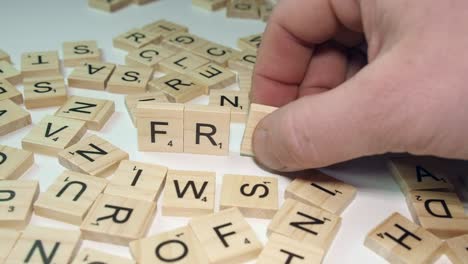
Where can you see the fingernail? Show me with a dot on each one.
(262, 149)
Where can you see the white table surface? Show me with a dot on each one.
(43, 25)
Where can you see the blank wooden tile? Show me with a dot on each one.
(189, 193)
(174, 246)
(137, 180)
(40, 64)
(91, 75)
(16, 199)
(206, 129)
(14, 162)
(179, 88)
(212, 76)
(9, 91)
(243, 61)
(8, 240)
(456, 249)
(211, 5)
(307, 224)
(95, 112)
(44, 91)
(70, 197)
(265, 11)
(237, 101)
(247, 9)
(182, 62)
(135, 39)
(132, 100)
(75, 53)
(280, 249)
(251, 42)
(12, 117)
(160, 127)
(129, 79)
(398, 240)
(182, 41)
(92, 256)
(164, 27)
(216, 53)
(318, 189)
(108, 6)
(440, 213)
(118, 220)
(4, 56)
(255, 196)
(245, 80)
(256, 114)
(45, 245)
(226, 237)
(53, 134)
(10, 73)
(148, 56)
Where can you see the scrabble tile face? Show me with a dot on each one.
(216, 53)
(251, 42)
(14, 162)
(175, 246)
(160, 127)
(132, 100)
(177, 87)
(189, 193)
(307, 224)
(180, 41)
(226, 237)
(78, 52)
(91, 75)
(243, 61)
(129, 79)
(10, 73)
(8, 240)
(212, 76)
(90, 256)
(456, 249)
(257, 112)
(321, 190)
(40, 64)
(16, 198)
(12, 117)
(8, 91)
(237, 101)
(398, 240)
(4, 56)
(211, 5)
(280, 249)
(148, 56)
(53, 134)
(135, 39)
(206, 129)
(92, 155)
(243, 9)
(45, 245)
(108, 5)
(254, 196)
(118, 220)
(182, 62)
(95, 112)
(245, 80)
(164, 28)
(137, 180)
(44, 92)
(265, 11)
(70, 197)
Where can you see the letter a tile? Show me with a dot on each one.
(12, 117)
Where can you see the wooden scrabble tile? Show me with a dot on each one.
(91, 75)
(164, 28)
(280, 249)
(212, 76)
(243, 61)
(251, 42)
(10, 73)
(12, 117)
(265, 11)
(189, 193)
(92, 256)
(179, 88)
(44, 92)
(118, 220)
(70, 197)
(92, 155)
(456, 249)
(16, 199)
(237, 101)
(245, 80)
(135, 39)
(216, 53)
(176, 246)
(53, 134)
(226, 237)
(40, 64)
(95, 112)
(9, 91)
(142, 2)
(4, 56)
(182, 41)
(398, 240)
(440, 213)
(255, 196)
(318, 189)
(247, 9)
(45, 245)
(211, 5)
(8, 240)
(129, 79)
(108, 5)
(132, 100)
(206, 129)
(160, 127)
(182, 62)
(148, 56)
(307, 224)
(14, 162)
(137, 180)
(76, 53)
(256, 114)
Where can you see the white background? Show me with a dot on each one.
(43, 25)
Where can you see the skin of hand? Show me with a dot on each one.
(410, 96)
